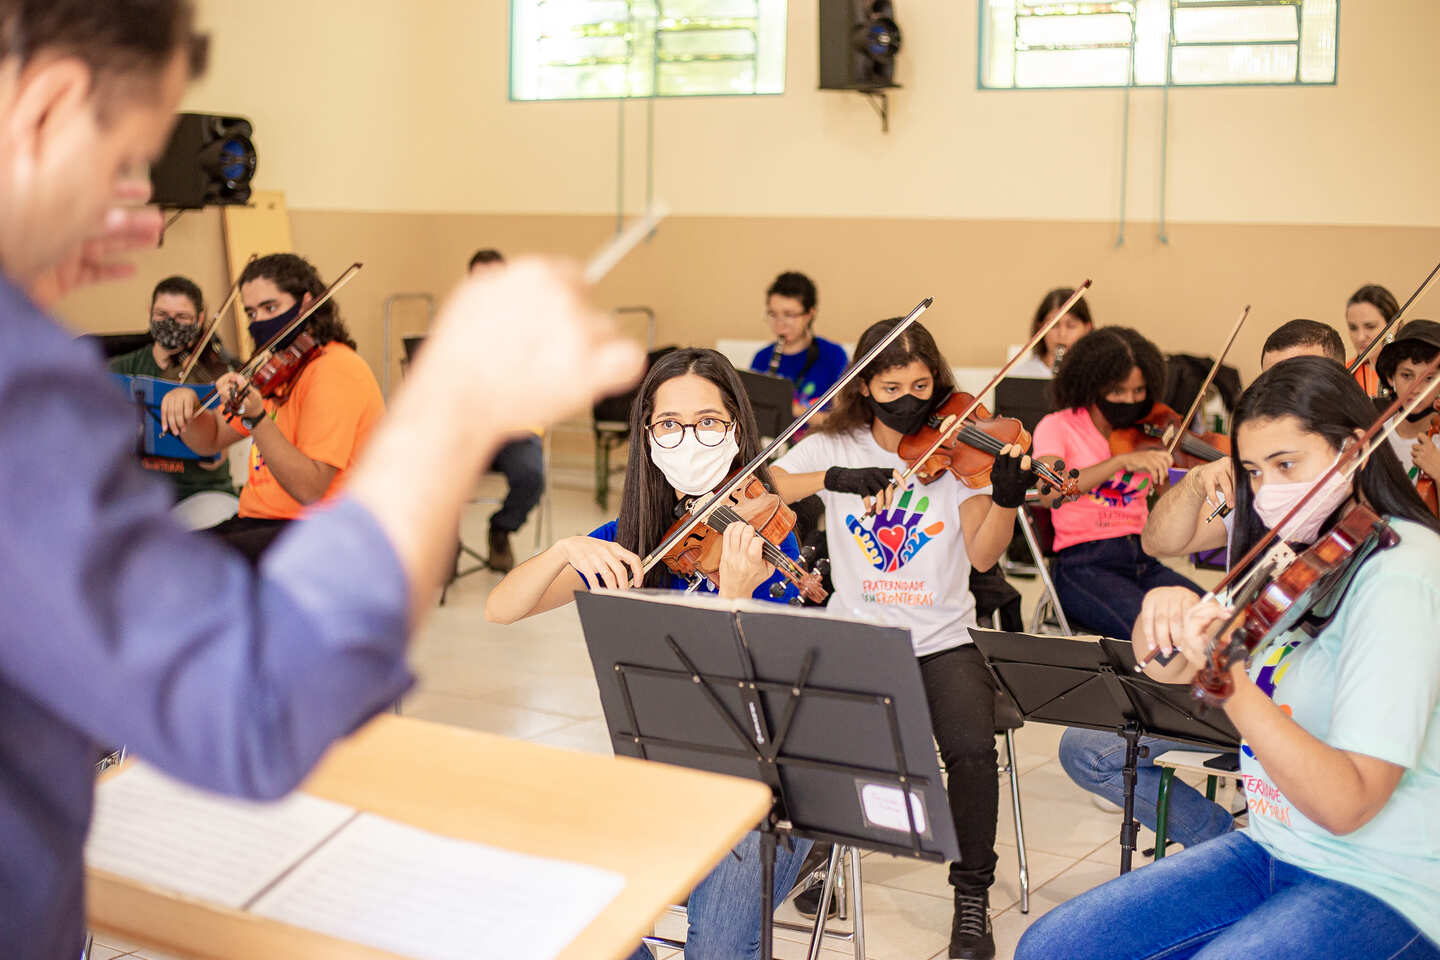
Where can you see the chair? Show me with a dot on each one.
(1169, 762)
(1040, 538)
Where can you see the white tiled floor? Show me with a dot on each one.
(533, 681)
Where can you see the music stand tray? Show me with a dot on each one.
(1091, 682)
(831, 714)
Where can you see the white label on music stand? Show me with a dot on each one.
(884, 807)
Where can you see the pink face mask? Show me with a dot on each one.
(1274, 500)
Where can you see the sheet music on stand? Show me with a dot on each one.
(326, 867)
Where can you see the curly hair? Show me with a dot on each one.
(297, 277)
(1101, 360)
(849, 411)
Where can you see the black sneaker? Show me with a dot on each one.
(970, 936)
(807, 902)
(501, 559)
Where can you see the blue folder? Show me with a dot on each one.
(146, 394)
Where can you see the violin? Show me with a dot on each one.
(278, 370)
(1161, 429)
(696, 554)
(1306, 582)
(970, 451)
(937, 452)
(1425, 484)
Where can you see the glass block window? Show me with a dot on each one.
(1054, 43)
(600, 49)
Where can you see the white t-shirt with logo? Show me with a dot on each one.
(906, 568)
(1403, 447)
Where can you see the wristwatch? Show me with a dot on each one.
(252, 422)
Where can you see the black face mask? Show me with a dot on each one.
(1122, 415)
(171, 334)
(905, 414)
(262, 330)
(1415, 416)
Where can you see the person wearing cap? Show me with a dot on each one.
(1401, 366)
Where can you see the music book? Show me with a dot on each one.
(339, 871)
(147, 393)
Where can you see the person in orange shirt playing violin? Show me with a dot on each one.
(1366, 313)
(306, 436)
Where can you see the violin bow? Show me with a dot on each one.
(214, 324)
(259, 356)
(1209, 379)
(1352, 456)
(700, 514)
(948, 434)
(1394, 324)
(622, 243)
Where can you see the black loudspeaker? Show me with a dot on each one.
(859, 40)
(210, 161)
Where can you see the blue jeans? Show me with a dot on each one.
(523, 464)
(1224, 899)
(724, 910)
(1095, 759)
(1101, 583)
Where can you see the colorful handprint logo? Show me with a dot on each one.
(895, 536)
(1122, 489)
(1272, 669)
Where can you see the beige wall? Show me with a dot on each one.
(401, 105)
(386, 124)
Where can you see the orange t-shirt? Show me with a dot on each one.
(1368, 379)
(330, 411)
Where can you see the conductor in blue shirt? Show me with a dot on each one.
(104, 641)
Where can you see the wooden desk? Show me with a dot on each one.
(662, 827)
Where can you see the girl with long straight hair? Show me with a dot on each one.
(691, 426)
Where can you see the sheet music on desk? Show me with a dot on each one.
(355, 876)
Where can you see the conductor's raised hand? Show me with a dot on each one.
(522, 346)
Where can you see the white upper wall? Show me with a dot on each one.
(402, 105)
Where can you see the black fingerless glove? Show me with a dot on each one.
(864, 481)
(1009, 483)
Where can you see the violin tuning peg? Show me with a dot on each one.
(777, 590)
(822, 566)
(1059, 465)
(796, 602)
(1045, 490)
(807, 554)
(1074, 472)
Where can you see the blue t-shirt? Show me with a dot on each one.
(791, 548)
(821, 376)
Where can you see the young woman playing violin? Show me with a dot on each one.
(1341, 750)
(908, 565)
(308, 434)
(1108, 383)
(693, 427)
(1416, 439)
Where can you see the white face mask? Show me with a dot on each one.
(693, 468)
(1274, 500)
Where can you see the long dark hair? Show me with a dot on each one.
(1103, 358)
(1326, 400)
(647, 507)
(297, 277)
(850, 411)
(1053, 301)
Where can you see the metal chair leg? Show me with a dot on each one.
(857, 912)
(1014, 770)
(1023, 516)
(827, 891)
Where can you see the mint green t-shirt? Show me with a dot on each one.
(1369, 683)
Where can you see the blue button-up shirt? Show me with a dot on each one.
(119, 627)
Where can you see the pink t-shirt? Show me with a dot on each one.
(1117, 507)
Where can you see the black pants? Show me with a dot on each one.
(962, 711)
(523, 464)
(250, 535)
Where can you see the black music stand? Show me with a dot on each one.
(830, 714)
(1027, 399)
(1093, 684)
(773, 399)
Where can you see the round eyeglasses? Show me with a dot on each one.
(710, 431)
